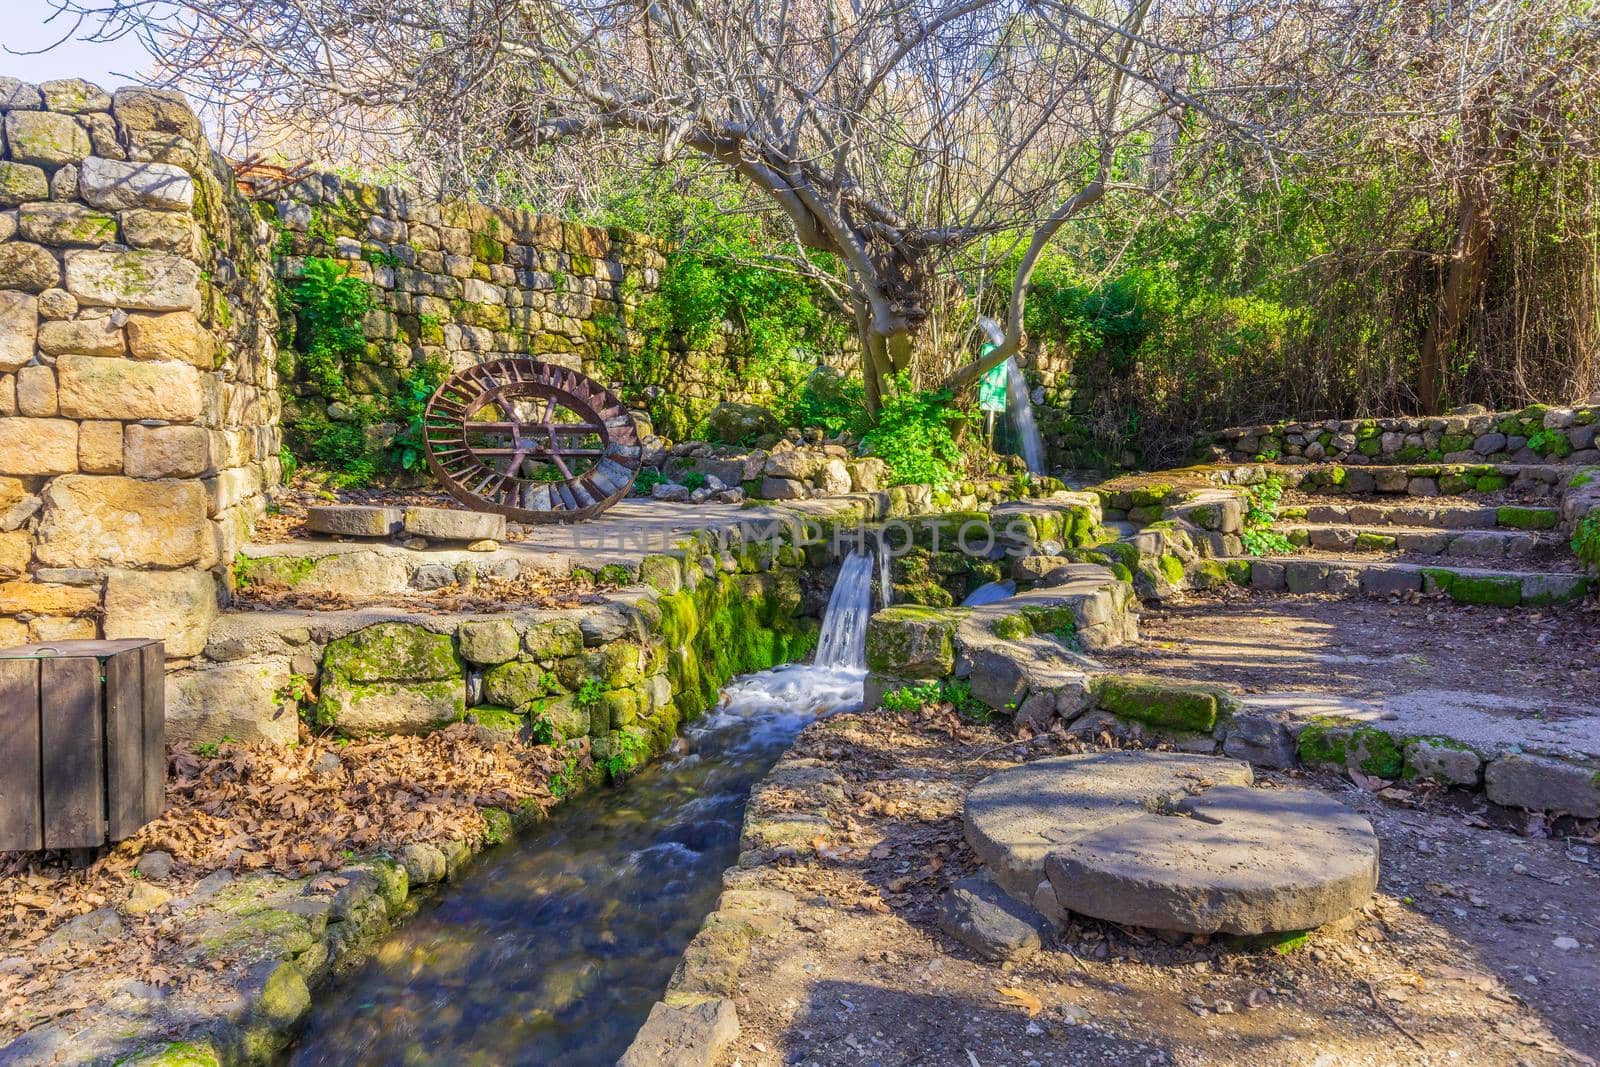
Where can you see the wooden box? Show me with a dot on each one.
(82, 742)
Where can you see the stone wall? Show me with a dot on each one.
(138, 403)
(464, 282)
(1536, 434)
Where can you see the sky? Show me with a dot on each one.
(108, 64)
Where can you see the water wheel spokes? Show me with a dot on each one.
(533, 441)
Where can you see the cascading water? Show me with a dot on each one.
(844, 624)
(553, 947)
(885, 589)
(989, 593)
(1019, 409)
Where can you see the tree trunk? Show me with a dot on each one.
(1468, 255)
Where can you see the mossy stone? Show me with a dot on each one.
(178, 1054)
(488, 641)
(911, 641)
(517, 683)
(1526, 518)
(1163, 702)
(553, 639)
(393, 651)
(1485, 590)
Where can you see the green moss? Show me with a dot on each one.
(1491, 483)
(1487, 590)
(497, 717)
(1526, 518)
(178, 1054)
(496, 826)
(1011, 628)
(273, 570)
(1584, 477)
(1149, 495)
(1375, 752)
(1161, 702)
(1324, 741)
(486, 249)
(1371, 542)
(393, 651)
(1171, 568)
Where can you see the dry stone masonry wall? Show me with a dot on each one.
(138, 403)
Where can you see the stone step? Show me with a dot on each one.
(1533, 480)
(1436, 516)
(1427, 541)
(1495, 587)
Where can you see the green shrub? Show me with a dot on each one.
(646, 480)
(915, 436)
(1258, 536)
(693, 480)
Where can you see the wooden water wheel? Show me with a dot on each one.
(532, 441)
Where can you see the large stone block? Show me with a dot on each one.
(1540, 783)
(241, 701)
(353, 520)
(118, 186)
(138, 280)
(446, 524)
(46, 598)
(36, 391)
(29, 267)
(155, 110)
(912, 642)
(74, 96)
(166, 451)
(100, 447)
(19, 324)
(66, 224)
(16, 549)
(392, 678)
(96, 388)
(113, 521)
(176, 607)
(164, 231)
(97, 336)
(20, 183)
(45, 138)
(18, 95)
(38, 446)
(176, 336)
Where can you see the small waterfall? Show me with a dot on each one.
(885, 589)
(989, 593)
(1019, 409)
(844, 625)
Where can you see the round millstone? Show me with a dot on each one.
(1017, 817)
(1174, 842)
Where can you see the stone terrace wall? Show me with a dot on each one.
(466, 282)
(1538, 433)
(138, 400)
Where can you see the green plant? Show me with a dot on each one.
(915, 435)
(1586, 539)
(646, 480)
(1550, 443)
(407, 450)
(590, 694)
(828, 400)
(693, 480)
(957, 692)
(630, 754)
(562, 781)
(1258, 536)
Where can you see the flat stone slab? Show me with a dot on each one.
(688, 1035)
(1015, 818)
(1233, 860)
(447, 524)
(354, 520)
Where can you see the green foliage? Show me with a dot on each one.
(1259, 538)
(829, 400)
(956, 692)
(323, 313)
(590, 694)
(646, 480)
(693, 480)
(1586, 539)
(1552, 443)
(915, 435)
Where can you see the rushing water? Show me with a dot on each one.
(990, 592)
(1019, 409)
(885, 588)
(554, 946)
(844, 625)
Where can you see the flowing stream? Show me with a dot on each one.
(554, 946)
(1019, 409)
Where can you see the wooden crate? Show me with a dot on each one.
(82, 742)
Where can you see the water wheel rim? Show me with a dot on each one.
(470, 473)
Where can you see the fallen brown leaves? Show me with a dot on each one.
(295, 811)
(530, 589)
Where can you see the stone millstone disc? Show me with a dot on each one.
(1233, 860)
(1015, 818)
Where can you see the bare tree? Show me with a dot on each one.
(901, 136)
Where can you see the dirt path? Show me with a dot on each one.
(1479, 948)
(1370, 647)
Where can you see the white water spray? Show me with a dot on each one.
(1019, 409)
(844, 625)
(885, 590)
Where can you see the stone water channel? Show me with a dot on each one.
(555, 945)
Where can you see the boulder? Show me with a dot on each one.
(739, 424)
